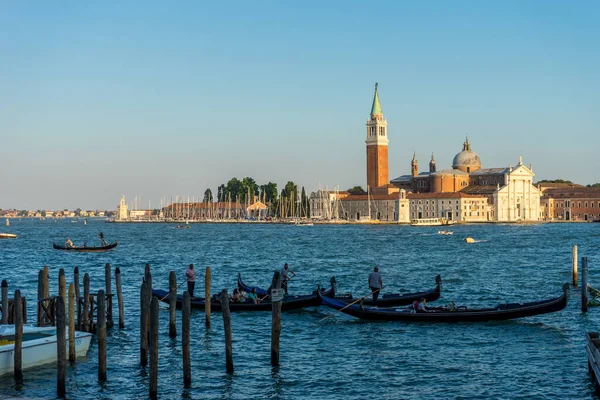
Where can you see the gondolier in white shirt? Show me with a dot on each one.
(375, 284)
(285, 277)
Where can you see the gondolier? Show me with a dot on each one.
(375, 284)
(285, 277)
(104, 242)
(190, 274)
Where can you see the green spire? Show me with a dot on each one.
(376, 108)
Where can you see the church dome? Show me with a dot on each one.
(466, 160)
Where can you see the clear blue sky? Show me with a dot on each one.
(155, 98)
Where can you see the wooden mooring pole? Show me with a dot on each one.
(154, 348)
(101, 332)
(185, 339)
(207, 297)
(61, 347)
(18, 349)
(143, 327)
(172, 304)
(4, 302)
(40, 296)
(275, 321)
(71, 316)
(584, 282)
(227, 328)
(46, 282)
(574, 263)
(86, 303)
(77, 296)
(108, 285)
(120, 298)
(62, 285)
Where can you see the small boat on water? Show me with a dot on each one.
(39, 346)
(445, 232)
(288, 302)
(431, 222)
(8, 236)
(85, 249)
(386, 300)
(182, 227)
(457, 314)
(469, 239)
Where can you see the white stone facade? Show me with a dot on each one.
(518, 199)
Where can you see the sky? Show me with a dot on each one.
(154, 99)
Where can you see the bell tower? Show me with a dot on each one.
(377, 146)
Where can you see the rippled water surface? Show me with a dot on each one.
(336, 357)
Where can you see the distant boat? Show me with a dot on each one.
(8, 236)
(74, 221)
(431, 222)
(469, 239)
(85, 221)
(7, 222)
(85, 249)
(444, 232)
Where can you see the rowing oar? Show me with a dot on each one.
(354, 302)
(181, 284)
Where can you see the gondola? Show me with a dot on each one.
(460, 314)
(387, 300)
(288, 303)
(86, 249)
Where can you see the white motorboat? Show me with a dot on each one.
(8, 236)
(39, 346)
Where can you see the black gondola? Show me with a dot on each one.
(86, 249)
(461, 314)
(288, 303)
(387, 300)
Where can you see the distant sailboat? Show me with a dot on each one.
(85, 221)
(7, 222)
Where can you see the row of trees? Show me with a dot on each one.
(290, 202)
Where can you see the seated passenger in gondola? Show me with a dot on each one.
(236, 296)
(243, 296)
(253, 297)
(69, 243)
(422, 305)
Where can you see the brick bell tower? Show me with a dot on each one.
(377, 146)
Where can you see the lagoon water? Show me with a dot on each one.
(339, 357)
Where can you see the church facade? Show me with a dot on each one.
(510, 192)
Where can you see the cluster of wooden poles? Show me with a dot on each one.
(149, 325)
(51, 311)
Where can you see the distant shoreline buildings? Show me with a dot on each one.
(464, 193)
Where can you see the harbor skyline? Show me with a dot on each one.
(158, 101)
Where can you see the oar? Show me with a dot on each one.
(354, 302)
(181, 284)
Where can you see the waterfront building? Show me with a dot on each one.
(122, 210)
(510, 191)
(570, 202)
(366, 207)
(453, 206)
(257, 210)
(325, 204)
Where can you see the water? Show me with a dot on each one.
(536, 357)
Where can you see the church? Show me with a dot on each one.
(466, 192)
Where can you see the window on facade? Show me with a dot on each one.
(586, 204)
(579, 204)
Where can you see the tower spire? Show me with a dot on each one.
(376, 107)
